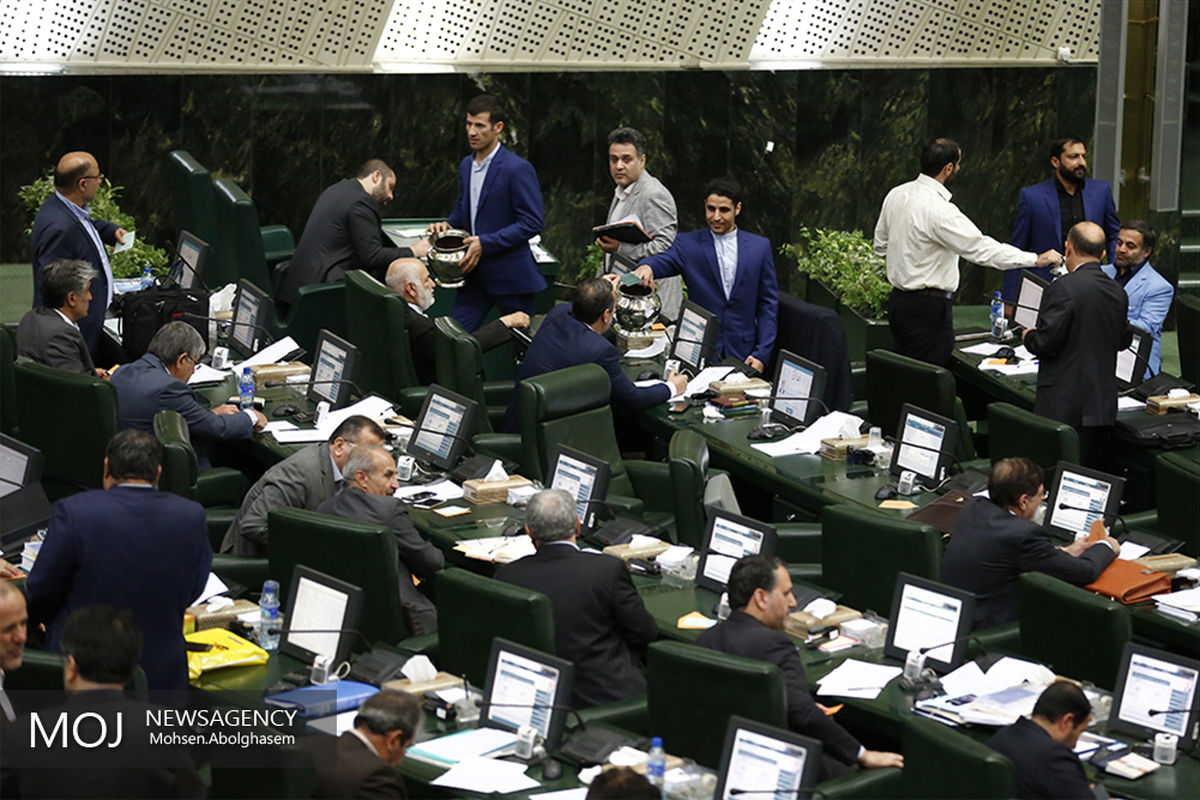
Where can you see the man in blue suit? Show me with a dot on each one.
(64, 229)
(126, 545)
(500, 204)
(1047, 210)
(1149, 293)
(729, 272)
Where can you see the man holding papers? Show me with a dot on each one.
(760, 594)
(362, 761)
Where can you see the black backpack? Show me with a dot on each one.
(145, 311)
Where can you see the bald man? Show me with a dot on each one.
(1080, 329)
(63, 228)
(409, 277)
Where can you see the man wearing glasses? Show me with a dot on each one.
(63, 228)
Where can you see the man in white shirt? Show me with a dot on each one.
(921, 234)
(49, 334)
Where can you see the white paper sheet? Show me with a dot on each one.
(372, 407)
(271, 354)
(444, 490)
(659, 345)
(1129, 403)
(854, 678)
(299, 435)
(967, 679)
(206, 374)
(809, 440)
(704, 378)
(982, 349)
(486, 775)
(1024, 368)
(212, 587)
(1014, 671)
(562, 794)
(1187, 599)
(1131, 550)
(456, 747)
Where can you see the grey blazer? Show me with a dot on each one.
(45, 337)
(654, 207)
(304, 479)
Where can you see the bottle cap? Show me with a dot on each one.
(656, 741)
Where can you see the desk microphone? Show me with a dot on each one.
(1105, 515)
(1157, 711)
(353, 632)
(353, 386)
(231, 323)
(769, 430)
(974, 639)
(776, 792)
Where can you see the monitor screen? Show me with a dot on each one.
(929, 614)
(443, 428)
(319, 602)
(332, 370)
(730, 537)
(1080, 496)
(1150, 681)
(1029, 300)
(14, 466)
(764, 762)
(695, 337)
(249, 314)
(191, 255)
(1133, 361)
(584, 478)
(924, 443)
(523, 687)
(796, 380)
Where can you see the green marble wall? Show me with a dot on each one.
(814, 148)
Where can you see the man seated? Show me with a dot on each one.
(760, 594)
(158, 381)
(1041, 747)
(362, 761)
(367, 496)
(574, 334)
(1149, 292)
(995, 540)
(14, 624)
(305, 479)
(600, 621)
(49, 333)
(409, 277)
(128, 545)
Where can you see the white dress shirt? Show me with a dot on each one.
(94, 235)
(479, 171)
(67, 319)
(727, 258)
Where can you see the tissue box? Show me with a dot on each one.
(219, 619)
(799, 623)
(835, 449)
(277, 372)
(728, 388)
(1163, 403)
(481, 491)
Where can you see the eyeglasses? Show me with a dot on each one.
(97, 177)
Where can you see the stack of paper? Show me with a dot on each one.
(271, 354)
(465, 745)
(808, 441)
(498, 549)
(443, 490)
(1184, 605)
(854, 678)
(486, 775)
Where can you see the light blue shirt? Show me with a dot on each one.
(479, 171)
(94, 235)
(727, 255)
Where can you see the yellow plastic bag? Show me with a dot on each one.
(228, 650)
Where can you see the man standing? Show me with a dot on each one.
(127, 545)
(1080, 329)
(362, 761)
(343, 232)
(1046, 211)
(1041, 747)
(500, 204)
(49, 334)
(729, 272)
(921, 235)
(600, 622)
(64, 229)
(370, 482)
(305, 479)
(1148, 292)
(641, 196)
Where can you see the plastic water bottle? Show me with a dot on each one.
(656, 766)
(147, 278)
(268, 615)
(997, 314)
(246, 388)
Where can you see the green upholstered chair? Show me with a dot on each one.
(377, 324)
(863, 550)
(8, 387)
(692, 691)
(473, 610)
(192, 197)
(1187, 321)
(1177, 488)
(283, 772)
(219, 489)
(460, 369)
(318, 306)
(893, 380)
(1099, 629)
(70, 418)
(1014, 431)
(940, 762)
(241, 242)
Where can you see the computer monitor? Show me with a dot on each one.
(1081, 488)
(1133, 361)
(766, 763)
(924, 444)
(796, 380)
(584, 478)
(250, 309)
(20, 465)
(191, 256)
(926, 613)
(333, 366)
(443, 427)
(527, 687)
(1029, 300)
(730, 537)
(695, 340)
(1151, 681)
(319, 602)
(23, 505)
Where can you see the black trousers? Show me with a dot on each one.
(1095, 446)
(922, 325)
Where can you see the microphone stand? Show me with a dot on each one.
(769, 430)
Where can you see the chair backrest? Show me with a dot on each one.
(1082, 638)
(570, 406)
(360, 553)
(69, 417)
(8, 389)
(687, 456)
(317, 306)
(377, 324)
(941, 762)
(460, 365)
(239, 240)
(180, 471)
(691, 692)
(818, 334)
(1014, 431)
(864, 549)
(192, 196)
(473, 610)
(1177, 490)
(893, 380)
(1187, 321)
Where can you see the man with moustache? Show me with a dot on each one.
(1149, 293)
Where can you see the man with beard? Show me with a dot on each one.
(1046, 211)
(409, 277)
(1149, 293)
(921, 235)
(343, 232)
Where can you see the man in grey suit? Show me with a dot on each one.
(304, 479)
(639, 194)
(49, 334)
(370, 482)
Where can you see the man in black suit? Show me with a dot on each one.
(49, 334)
(760, 594)
(1080, 329)
(343, 232)
(995, 540)
(370, 475)
(1041, 747)
(14, 626)
(409, 277)
(362, 761)
(600, 622)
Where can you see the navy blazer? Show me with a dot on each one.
(1037, 225)
(509, 215)
(58, 233)
(130, 547)
(563, 341)
(750, 315)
